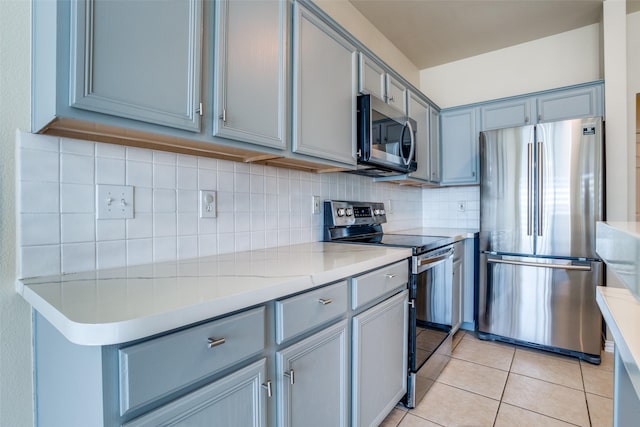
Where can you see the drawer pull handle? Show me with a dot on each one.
(390, 276)
(291, 376)
(267, 386)
(324, 301)
(212, 342)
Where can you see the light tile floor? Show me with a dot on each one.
(501, 385)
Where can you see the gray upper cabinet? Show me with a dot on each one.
(418, 110)
(138, 60)
(459, 145)
(250, 64)
(324, 90)
(506, 114)
(396, 94)
(570, 104)
(434, 145)
(374, 79)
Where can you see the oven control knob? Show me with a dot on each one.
(349, 212)
(382, 212)
(341, 211)
(376, 211)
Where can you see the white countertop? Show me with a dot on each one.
(119, 305)
(621, 311)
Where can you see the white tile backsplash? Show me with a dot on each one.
(258, 206)
(440, 207)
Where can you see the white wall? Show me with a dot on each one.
(345, 14)
(561, 60)
(16, 400)
(633, 88)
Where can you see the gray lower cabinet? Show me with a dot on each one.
(235, 400)
(135, 61)
(325, 68)
(312, 380)
(250, 69)
(379, 360)
(459, 146)
(468, 284)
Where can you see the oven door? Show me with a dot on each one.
(434, 288)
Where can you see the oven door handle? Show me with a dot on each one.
(433, 260)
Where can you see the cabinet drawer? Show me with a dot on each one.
(298, 314)
(370, 286)
(154, 368)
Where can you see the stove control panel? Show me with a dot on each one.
(341, 214)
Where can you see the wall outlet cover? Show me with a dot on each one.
(208, 204)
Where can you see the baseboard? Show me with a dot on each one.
(608, 346)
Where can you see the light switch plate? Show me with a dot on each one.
(315, 204)
(114, 201)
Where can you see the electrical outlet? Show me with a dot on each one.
(461, 206)
(315, 205)
(114, 201)
(208, 204)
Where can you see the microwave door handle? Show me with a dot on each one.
(413, 143)
(407, 160)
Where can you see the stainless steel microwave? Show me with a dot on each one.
(386, 139)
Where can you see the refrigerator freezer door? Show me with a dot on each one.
(507, 190)
(546, 302)
(569, 187)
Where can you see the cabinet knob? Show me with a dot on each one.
(291, 376)
(390, 99)
(325, 301)
(212, 342)
(526, 119)
(389, 276)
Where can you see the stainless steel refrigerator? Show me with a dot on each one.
(541, 193)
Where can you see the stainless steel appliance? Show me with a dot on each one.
(434, 306)
(541, 194)
(386, 139)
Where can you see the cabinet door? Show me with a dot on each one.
(380, 344)
(468, 284)
(325, 87)
(312, 380)
(250, 71)
(459, 146)
(506, 114)
(418, 110)
(434, 145)
(371, 79)
(570, 104)
(235, 400)
(396, 94)
(456, 294)
(138, 59)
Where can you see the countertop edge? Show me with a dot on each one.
(615, 322)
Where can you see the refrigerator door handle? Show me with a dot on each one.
(540, 187)
(529, 189)
(538, 264)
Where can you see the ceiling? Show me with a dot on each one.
(434, 32)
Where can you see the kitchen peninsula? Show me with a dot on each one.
(166, 341)
(618, 244)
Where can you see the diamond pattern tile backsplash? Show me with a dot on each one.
(258, 206)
